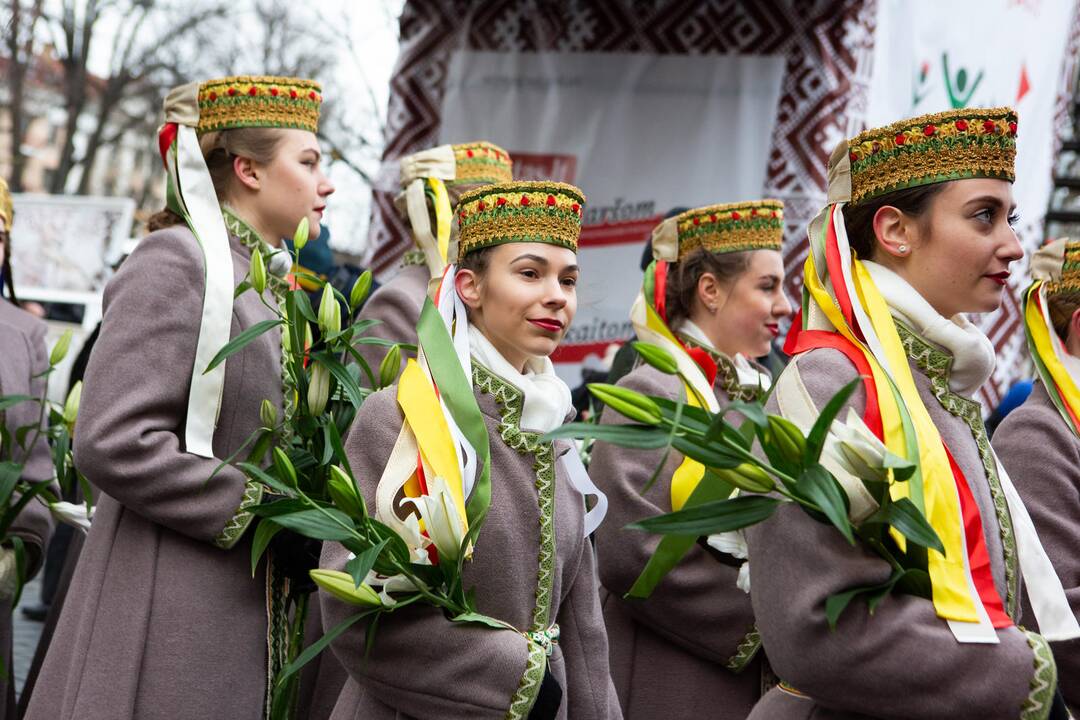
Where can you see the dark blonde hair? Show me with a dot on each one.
(1062, 305)
(683, 277)
(859, 219)
(219, 148)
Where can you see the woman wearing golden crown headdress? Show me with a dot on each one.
(712, 298)
(917, 234)
(23, 359)
(1039, 442)
(505, 306)
(170, 622)
(432, 181)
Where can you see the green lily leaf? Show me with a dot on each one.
(711, 517)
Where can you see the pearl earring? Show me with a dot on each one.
(902, 249)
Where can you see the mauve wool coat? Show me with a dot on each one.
(426, 667)
(163, 620)
(1042, 456)
(396, 305)
(903, 661)
(22, 360)
(670, 654)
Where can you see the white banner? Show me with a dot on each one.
(676, 130)
(931, 56)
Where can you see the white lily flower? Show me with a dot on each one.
(734, 544)
(441, 519)
(72, 514)
(387, 585)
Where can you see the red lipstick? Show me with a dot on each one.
(1000, 278)
(550, 324)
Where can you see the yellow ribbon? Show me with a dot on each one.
(1044, 338)
(443, 216)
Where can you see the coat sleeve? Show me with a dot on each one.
(397, 313)
(421, 664)
(902, 662)
(591, 692)
(34, 522)
(129, 440)
(1041, 455)
(698, 605)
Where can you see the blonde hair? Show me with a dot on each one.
(219, 148)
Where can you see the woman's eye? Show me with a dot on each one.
(531, 274)
(985, 215)
(1014, 219)
(570, 282)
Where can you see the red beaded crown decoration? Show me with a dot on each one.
(732, 227)
(259, 101)
(953, 145)
(543, 212)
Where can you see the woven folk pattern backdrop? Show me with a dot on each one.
(827, 45)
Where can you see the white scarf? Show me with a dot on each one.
(745, 372)
(546, 397)
(972, 352)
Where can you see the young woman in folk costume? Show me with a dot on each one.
(23, 359)
(713, 297)
(507, 304)
(917, 233)
(1039, 442)
(432, 181)
(171, 623)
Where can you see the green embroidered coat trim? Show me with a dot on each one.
(511, 402)
(240, 520)
(529, 687)
(727, 378)
(1043, 682)
(413, 257)
(936, 364)
(745, 652)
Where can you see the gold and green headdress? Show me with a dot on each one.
(843, 310)
(542, 211)
(1055, 270)
(7, 210)
(192, 110)
(732, 227)
(437, 176)
(953, 145)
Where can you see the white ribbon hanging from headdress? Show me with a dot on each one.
(193, 191)
(417, 171)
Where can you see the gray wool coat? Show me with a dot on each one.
(902, 662)
(690, 649)
(396, 305)
(163, 618)
(1042, 456)
(424, 666)
(22, 357)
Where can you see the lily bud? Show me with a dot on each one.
(748, 477)
(309, 338)
(300, 237)
(329, 312)
(257, 272)
(787, 439)
(343, 493)
(267, 414)
(318, 389)
(626, 402)
(388, 368)
(60, 349)
(71, 406)
(283, 465)
(658, 357)
(360, 290)
(341, 585)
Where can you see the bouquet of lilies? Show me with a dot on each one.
(837, 471)
(300, 460)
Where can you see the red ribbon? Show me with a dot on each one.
(166, 137)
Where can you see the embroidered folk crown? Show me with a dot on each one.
(953, 145)
(544, 212)
(733, 227)
(7, 210)
(259, 101)
(481, 163)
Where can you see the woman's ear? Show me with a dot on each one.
(246, 172)
(467, 284)
(710, 293)
(1072, 342)
(893, 231)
